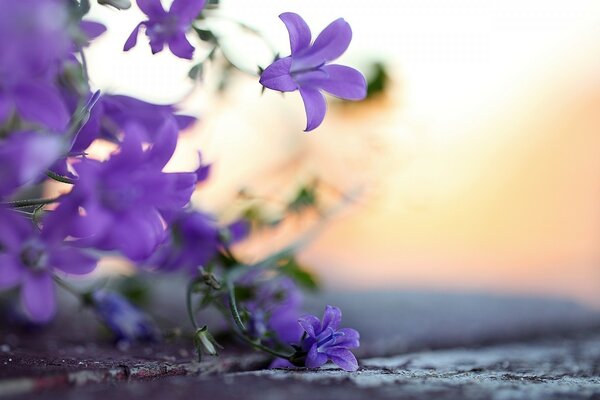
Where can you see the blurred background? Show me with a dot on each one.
(473, 166)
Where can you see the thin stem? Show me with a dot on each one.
(189, 306)
(30, 202)
(233, 305)
(59, 178)
(67, 287)
(219, 306)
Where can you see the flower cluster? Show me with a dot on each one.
(126, 204)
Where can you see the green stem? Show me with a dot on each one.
(189, 306)
(59, 178)
(30, 202)
(233, 305)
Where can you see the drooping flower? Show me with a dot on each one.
(325, 341)
(167, 27)
(117, 204)
(34, 42)
(24, 156)
(28, 259)
(127, 322)
(308, 70)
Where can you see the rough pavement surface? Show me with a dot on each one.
(415, 346)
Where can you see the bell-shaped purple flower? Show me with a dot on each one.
(167, 27)
(117, 204)
(127, 322)
(325, 341)
(308, 70)
(29, 258)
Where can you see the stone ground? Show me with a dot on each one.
(415, 346)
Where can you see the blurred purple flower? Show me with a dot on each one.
(193, 241)
(117, 204)
(28, 259)
(324, 341)
(34, 42)
(24, 156)
(274, 307)
(308, 71)
(126, 321)
(167, 27)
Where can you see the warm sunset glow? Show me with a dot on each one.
(480, 166)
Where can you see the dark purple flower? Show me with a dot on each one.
(28, 259)
(193, 240)
(167, 27)
(117, 204)
(308, 71)
(274, 307)
(34, 41)
(126, 321)
(325, 341)
(24, 156)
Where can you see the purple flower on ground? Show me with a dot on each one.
(118, 204)
(308, 70)
(24, 156)
(325, 341)
(167, 27)
(28, 259)
(126, 321)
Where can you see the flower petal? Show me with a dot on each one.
(314, 359)
(132, 39)
(187, 10)
(6, 107)
(298, 30)
(277, 76)
(310, 324)
(42, 103)
(10, 271)
(72, 261)
(152, 8)
(329, 45)
(92, 29)
(315, 106)
(331, 317)
(343, 358)
(181, 47)
(38, 296)
(344, 82)
(350, 340)
(164, 145)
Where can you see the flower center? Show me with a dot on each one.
(34, 256)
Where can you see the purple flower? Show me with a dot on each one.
(127, 322)
(193, 241)
(34, 41)
(167, 27)
(28, 259)
(118, 204)
(324, 341)
(24, 156)
(308, 71)
(274, 307)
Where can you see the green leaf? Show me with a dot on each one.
(306, 197)
(378, 81)
(196, 72)
(291, 268)
(205, 35)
